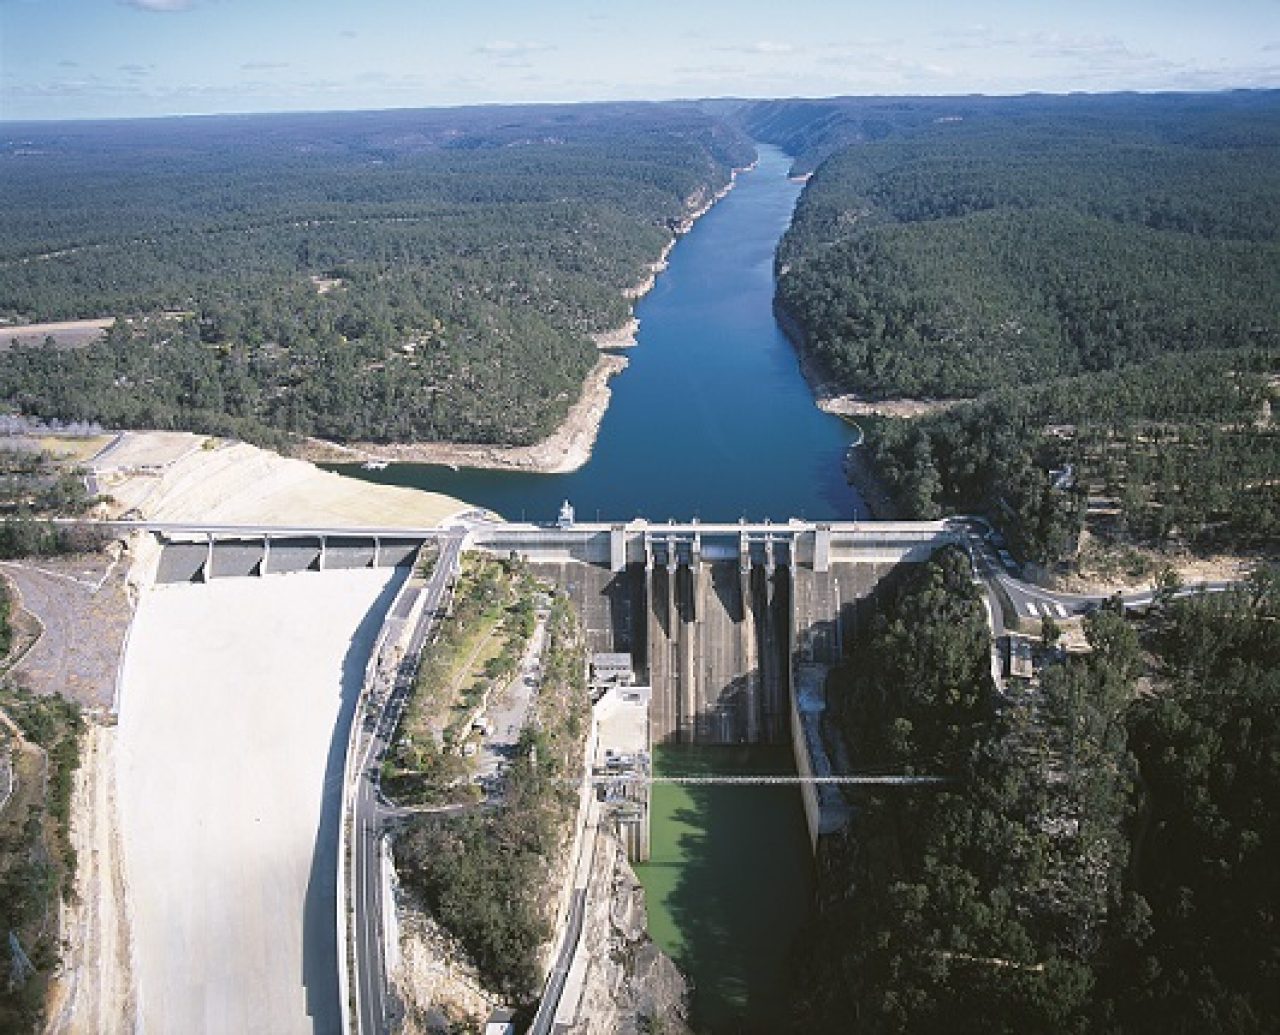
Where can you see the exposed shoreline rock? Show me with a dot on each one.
(630, 986)
(569, 447)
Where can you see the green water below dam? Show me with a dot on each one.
(729, 883)
(711, 419)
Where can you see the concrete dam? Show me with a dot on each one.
(731, 627)
(726, 623)
(720, 620)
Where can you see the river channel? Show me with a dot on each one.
(712, 419)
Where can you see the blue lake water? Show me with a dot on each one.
(712, 419)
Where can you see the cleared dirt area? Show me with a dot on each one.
(1106, 568)
(67, 334)
(236, 699)
(95, 992)
(134, 449)
(73, 449)
(81, 614)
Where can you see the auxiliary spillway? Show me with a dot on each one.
(718, 619)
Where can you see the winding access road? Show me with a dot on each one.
(368, 813)
(1030, 601)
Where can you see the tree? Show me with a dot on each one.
(1166, 586)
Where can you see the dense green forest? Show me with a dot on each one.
(1100, 274)
(1177, 449)
(373, 275)
(1104, 857)
(813, 130)
(35, 486)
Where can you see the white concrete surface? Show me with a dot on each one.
(232, 697)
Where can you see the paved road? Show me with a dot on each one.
(368, 811)
(202, 529)
(508, 711)
(997, 569)
(546, 1014)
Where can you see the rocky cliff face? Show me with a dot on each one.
(436, 985)
(630, 986)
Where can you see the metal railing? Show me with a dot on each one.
(767, 781)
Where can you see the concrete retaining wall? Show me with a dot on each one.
(804, 767)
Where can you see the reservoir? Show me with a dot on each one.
(712, 419)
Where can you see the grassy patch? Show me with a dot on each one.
(477, 651)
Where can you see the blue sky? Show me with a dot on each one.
(100, 58)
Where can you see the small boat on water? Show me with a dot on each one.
(376, 465)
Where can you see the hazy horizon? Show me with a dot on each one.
(92, 59)
(586, 102)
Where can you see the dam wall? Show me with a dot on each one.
(717, 617)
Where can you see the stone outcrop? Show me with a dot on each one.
(630, 985)
(436, 985)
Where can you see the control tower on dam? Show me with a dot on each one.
(719, 618)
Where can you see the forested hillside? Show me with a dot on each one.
(383, 275)
(1102, 274)
(1103, 860)
(1181, 449)
(812, 130)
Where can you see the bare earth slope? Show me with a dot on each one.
(177, 476)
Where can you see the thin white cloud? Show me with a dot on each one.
(513, 48)
(877, 72)
(972, 37)
(765, 47)
(161, 5)
(1106, 57)
(263, 66)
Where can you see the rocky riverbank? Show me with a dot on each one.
(569, 446)
(630, 985)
